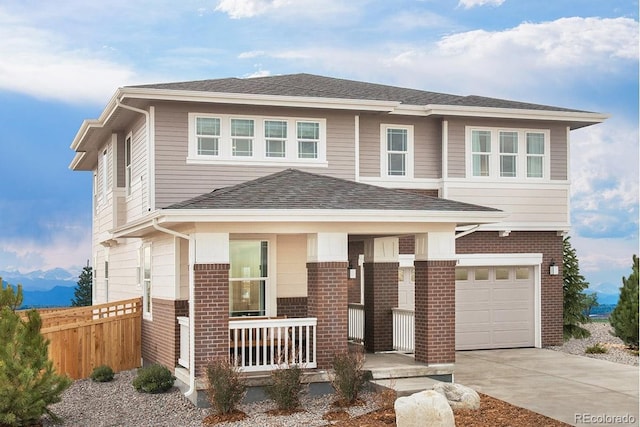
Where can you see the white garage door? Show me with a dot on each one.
(494, 307)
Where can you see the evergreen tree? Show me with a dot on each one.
(591, 302)
(84, 289)
(28, 381)
(624, 318)
(575, 301)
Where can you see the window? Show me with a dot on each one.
(208, 134)
(146, 280)
(502, 274)
(104, 177)
(275, 135)
(535, 155)
(308, 134)
(522, 273)
(95, 192)
(248, 276)
(462, 273)
(397, 149)
(106, 279)
(481, 274)
(242, 132)
(508, 153)
(517, 154)
(481, 152)
(127, 165)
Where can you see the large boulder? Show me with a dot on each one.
(426, 408)
(458, 396)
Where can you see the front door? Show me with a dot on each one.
(248, 277)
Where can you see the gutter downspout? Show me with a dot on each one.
(471, 230)
(192, 309)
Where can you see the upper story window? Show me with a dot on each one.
(127, 164)
(396, 151)
(228, 139)
(507, 153)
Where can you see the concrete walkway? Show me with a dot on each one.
(574, 389)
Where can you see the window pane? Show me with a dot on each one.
(208, 146)
(275, 129)
(397, 164)
(208, 126)
(307, 149)
(242, 147)
(462, 274)
(508, 166)
(147, 263)
(246, 298)
(480, 165)
(535, 143)
(396, 139)
(534, 167)
(508, 142)
(241, 127)
(308, 130)
(482, 274)
(127, 152)
(502, 273)
(481, 141)
(522, 273)
(275, 148)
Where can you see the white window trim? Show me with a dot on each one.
(383, 153)
(521, 159)
(259, 155)
(104, 177)
(146, 314)
(128, 170)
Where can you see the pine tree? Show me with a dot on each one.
(84, 289)
(28, 381)
(624, 318)
(575, 302)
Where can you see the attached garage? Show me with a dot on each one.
(495, 307)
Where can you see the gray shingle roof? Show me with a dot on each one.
(294, 189)
(309, 85)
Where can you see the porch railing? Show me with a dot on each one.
(356, 322)
(263, 344)
(183, 358)
(404, 330)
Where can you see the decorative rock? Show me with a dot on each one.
(426, 408)
(458, 396)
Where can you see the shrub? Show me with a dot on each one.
(596, 349)
(226, 387)
(286, 387)
(348, 376)
(153, 379)
(102, 374)
(28, 380)
(624, 318)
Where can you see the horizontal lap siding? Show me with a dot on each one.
(177, 181)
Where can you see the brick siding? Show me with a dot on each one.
(161, 336)
(380, 296)
(435, 312)
(327, 301)
(407, 245)
(292, 307)
(546, 242)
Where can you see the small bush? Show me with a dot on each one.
(349, 377)
(153, 379)
(286, 387)
(596, 349)
(226, 387)
(102, 374)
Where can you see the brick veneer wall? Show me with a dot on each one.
(355, 249)
(380, 296)
(327, 301)
(435, 312)
(292, 307)
(161, 336)
(546, 242)
(211, 317)
(407, 244)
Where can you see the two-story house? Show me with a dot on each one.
(283, 199)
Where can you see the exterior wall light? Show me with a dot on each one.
(351, 272)
(553, 268)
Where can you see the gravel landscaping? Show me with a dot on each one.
(87, 403)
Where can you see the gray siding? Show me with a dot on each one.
(177, 181)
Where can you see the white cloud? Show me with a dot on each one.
(251, 54)
(468, 4)
(318, 10)
(411, 20)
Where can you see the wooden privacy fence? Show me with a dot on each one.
(85, 337)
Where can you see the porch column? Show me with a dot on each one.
(210, 298)
(381, 262)
(327, 293)
(435, 304)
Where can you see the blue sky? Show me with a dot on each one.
(61, 61)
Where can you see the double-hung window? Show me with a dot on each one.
(127, 164)
(397, 150)
(275, 136)
(535, 155)
(208, 135)
(242, 133)
(308, 135)
(508, 154)
(481, 152)
(146, 280)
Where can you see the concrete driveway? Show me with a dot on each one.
(575, 389)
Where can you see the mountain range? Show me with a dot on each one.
(43, 288)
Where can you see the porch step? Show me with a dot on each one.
(406, 386)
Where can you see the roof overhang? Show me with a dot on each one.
(359, 220)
